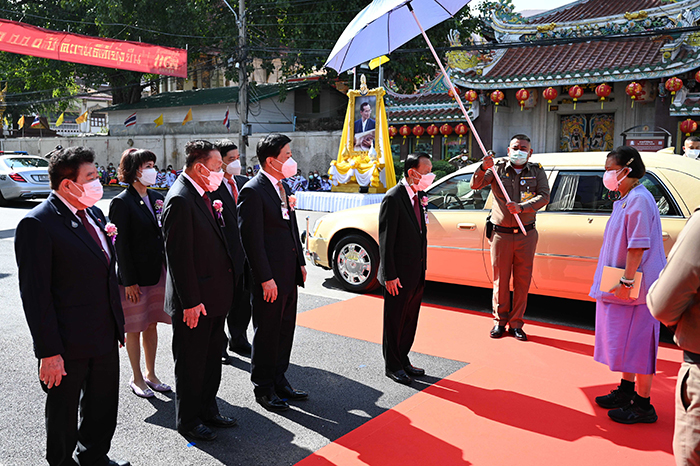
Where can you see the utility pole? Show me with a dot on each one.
(242, 79)
(242, 83)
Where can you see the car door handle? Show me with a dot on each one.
(466, 226)
(665, 235)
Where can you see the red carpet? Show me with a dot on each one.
(515, 403)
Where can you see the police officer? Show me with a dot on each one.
(511, 251)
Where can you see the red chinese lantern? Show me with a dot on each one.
(404, 131)
(497, 97)
(697, 76)
(433, 130)
(393, 131)
(603, 91)
(689, 126)
(673, 85)
(634, 90)
(418, 131)
(471, 96)
(445, 130)
(451, 94)
(575, 92)
(461, 129)
(550, 94)
(522, 95)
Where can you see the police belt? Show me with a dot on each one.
(511, 230)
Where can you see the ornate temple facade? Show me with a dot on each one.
(586, 76)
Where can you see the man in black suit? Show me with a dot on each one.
(270, 238)
(239, 316)
(69, 290)
(403, 247)
(365, 123)
(198, 291)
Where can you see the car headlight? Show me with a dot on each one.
(317, 225)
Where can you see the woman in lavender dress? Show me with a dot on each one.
(626, 335)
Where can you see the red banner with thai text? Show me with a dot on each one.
(25, 39)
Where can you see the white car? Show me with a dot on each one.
(23, 176)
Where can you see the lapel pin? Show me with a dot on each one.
(74, 224)
(141, 202)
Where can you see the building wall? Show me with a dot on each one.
(311, 150)
(265, 116)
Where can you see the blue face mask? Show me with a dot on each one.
(518, 157)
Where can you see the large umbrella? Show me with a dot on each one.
(385, 25)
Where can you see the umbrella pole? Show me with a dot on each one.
(464, 111)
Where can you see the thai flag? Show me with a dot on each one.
(131, 121)
(227, 122)
(36, 121)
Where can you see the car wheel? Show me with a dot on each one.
(355, 263)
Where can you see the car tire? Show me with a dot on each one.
(355, 263)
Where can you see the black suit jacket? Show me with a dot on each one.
(230, 229)
(200, 270)
(69, 289)
(139, 245)
(403, 245)
(271, 243)
(358, 125)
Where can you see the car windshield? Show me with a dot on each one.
(26, 162)
(456, 194)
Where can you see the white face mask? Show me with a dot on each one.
(425, 181)
(610, 180)
(518, 157)
(214, 179)
(234, 168)
(92, 192)
(289, 168)
(148, 176)
(692, 153)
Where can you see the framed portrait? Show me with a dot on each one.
(364, 122)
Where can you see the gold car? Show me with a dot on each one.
(570, 227)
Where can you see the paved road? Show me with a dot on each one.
(344, 376)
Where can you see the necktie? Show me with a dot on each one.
(283, 194)
(208, 203)
(234, 189)
(91, 231)
(416, 209)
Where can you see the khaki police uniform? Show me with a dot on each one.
(513, 253)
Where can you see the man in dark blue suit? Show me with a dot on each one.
(365, 123)
(270, 237)
(239, 316)
(71, 301)
(198, 290)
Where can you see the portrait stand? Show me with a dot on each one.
(364, 162)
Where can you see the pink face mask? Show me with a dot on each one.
(610, 180)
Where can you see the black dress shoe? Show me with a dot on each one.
(290, 394)
(414, 371)
(399, 376)
(518, 334)
(221, 421)
(200, 432)
(118, 463)
(498, 331)
(272, 403)
(243, 348)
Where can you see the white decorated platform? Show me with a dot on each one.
(334, 201)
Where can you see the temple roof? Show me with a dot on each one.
(431, 104)
(589, 9)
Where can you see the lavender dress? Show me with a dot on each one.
(626, 334)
